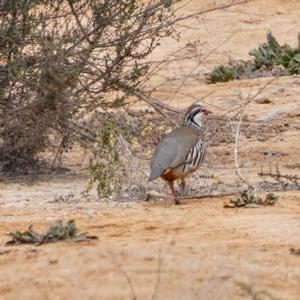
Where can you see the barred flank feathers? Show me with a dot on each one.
(196, 155)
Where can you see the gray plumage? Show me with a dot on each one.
(172, 151)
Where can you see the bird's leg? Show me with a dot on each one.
(173, 191)
(183, 186)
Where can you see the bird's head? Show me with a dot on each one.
(195, 115)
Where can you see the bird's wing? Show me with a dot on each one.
(172, 150)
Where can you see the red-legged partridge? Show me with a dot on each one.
(182, 151)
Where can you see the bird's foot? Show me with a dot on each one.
(177, 201)
(147, 197)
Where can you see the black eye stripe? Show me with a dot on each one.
(193, 111)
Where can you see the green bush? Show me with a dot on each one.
(108, 172)
(269, 58)
(222, 74)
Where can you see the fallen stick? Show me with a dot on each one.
(152, 194)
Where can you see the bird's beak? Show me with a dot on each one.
(207, 112)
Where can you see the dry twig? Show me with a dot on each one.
(237, 132)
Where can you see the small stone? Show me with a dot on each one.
(263, 101)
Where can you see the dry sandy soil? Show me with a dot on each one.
(156, 250)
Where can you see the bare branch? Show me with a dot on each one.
(154, 105)
(237, 132)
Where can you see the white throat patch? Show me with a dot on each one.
(198, 118)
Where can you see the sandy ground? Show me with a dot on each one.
(156, 250)
(153, 250)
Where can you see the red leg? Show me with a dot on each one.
(173, 191)
(183, 185)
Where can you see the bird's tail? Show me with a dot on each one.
(155, 172)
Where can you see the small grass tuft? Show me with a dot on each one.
(248, 290)
(56, 232)
(222, 74)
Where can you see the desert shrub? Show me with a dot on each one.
(109, 170)
(269, 58)
(222, 74)
(271, 54)
(59, 59)
(236, 69)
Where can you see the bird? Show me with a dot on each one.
(181, 152)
